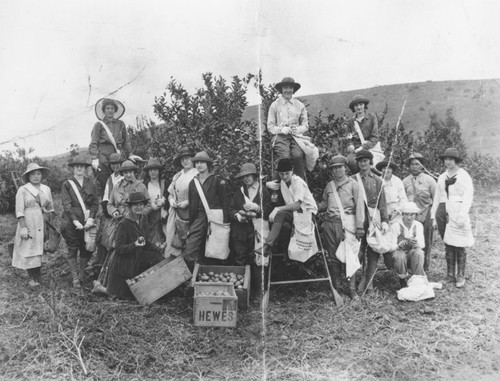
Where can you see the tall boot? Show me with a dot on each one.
(73, 268)
(256, 283)
(461, 259)
(451, 259)
(336, 273)
(33, 283)
(83, 264)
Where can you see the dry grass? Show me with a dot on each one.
(306, 337)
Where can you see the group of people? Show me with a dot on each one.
(145, 220)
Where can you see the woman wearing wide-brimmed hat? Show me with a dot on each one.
(394, 189)
(453, 201)
(33, 199)
(109, 135)
(178, 197)
(158, 196)
(134, 251)
(80, 205)
(363, 132)
(288, 117)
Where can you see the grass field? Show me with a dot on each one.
(304, 336)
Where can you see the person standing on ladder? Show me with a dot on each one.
(421, 188)
(287, 117)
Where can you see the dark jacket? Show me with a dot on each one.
(214, 188)
(72, 209)
(369, 129)
(240, 230)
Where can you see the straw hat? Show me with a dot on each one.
(287, 81)
(451, 153)
(80, 160)
(384, 163)
(247, 169)
(34, 167)
(409, 207)
(128, 165)
(136, 198)
(103, 102)
(184, 151)
(202, 156)
(152, 164)
(338, 161)
(358, 99)
(415, 156)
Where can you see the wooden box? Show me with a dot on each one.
(159, 280)
(243, 294)
(215, 310)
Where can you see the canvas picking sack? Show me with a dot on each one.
(217, 245)
(51, 237)
(311, 152)
(378, 154)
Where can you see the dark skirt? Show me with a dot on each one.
(156, 232)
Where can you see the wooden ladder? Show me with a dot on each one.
(16, 178)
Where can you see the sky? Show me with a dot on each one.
(57, 58)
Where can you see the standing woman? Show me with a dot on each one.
(156, 189)
(32, 200)
(178, 218)
(80, 205)
(453, 201)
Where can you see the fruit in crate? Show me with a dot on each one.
(236, 279)
(214, 293)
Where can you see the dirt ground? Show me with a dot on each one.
(304, 336)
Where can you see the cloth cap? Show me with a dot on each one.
(152, 164)
(115, 158)
(409, 207)
(338, 160)
(136, 198)
(285, 165)
(184, 151)
(384, 163)
(452, 153)
(364, 154)
(34, 167)
(416, 156)
(358, 99)
(287, 81)
(128, 165)
(202, 156)
(119, 108)
(247, 169)
(80, 160)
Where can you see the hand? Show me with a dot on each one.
(135, 158)
(116, 214)
(95, 163)
(251, 206)
(240, 218)
(293, 129)
(403, 245)
(78, 225)
(90, 222)
(273, 185)
(159, 202)
(285, 130)
(434, 224)
(183, 205)
(413, 242)
(273, 214)
(24, 233)
(140, 242)
(385, 227)
(350, 149)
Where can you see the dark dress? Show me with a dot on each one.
(127, 260)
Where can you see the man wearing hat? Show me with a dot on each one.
(109, 135)
(370, 187)
(394, 189)
(408, 243)
(338, 224)
(77, 217)
(421, 188)
(287, 117)
(363, 132)
(214, 188)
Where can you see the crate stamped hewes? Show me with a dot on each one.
(215, 305)
(242, 293)
(159, 280)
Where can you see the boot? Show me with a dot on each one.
(83, 264)
(403, 283)
(335, 272)
(352, 288)
(256, 284)
(33, 283)
(450, 264)
(73, 267)
(461, 259)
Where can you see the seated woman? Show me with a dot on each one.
(408, 243)
(134, 252)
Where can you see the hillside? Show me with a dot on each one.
(475, 104)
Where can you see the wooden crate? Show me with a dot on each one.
(215, 311)
(243, 294)
(159, 280)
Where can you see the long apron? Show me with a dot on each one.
(28, 253)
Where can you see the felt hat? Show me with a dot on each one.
(364, 154)
(128, 165)
(202, 156)
(285, 165)
(358, 99)
(103, 102)
(451, 153)
(338, 160)
(409, 207)
(115, 158)
(416, 156)
(34, 167)
(80, 160)
(287, 81)
(384, 163)
(247, 169)
(152, 164)
(136, 198)
(184, 151)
